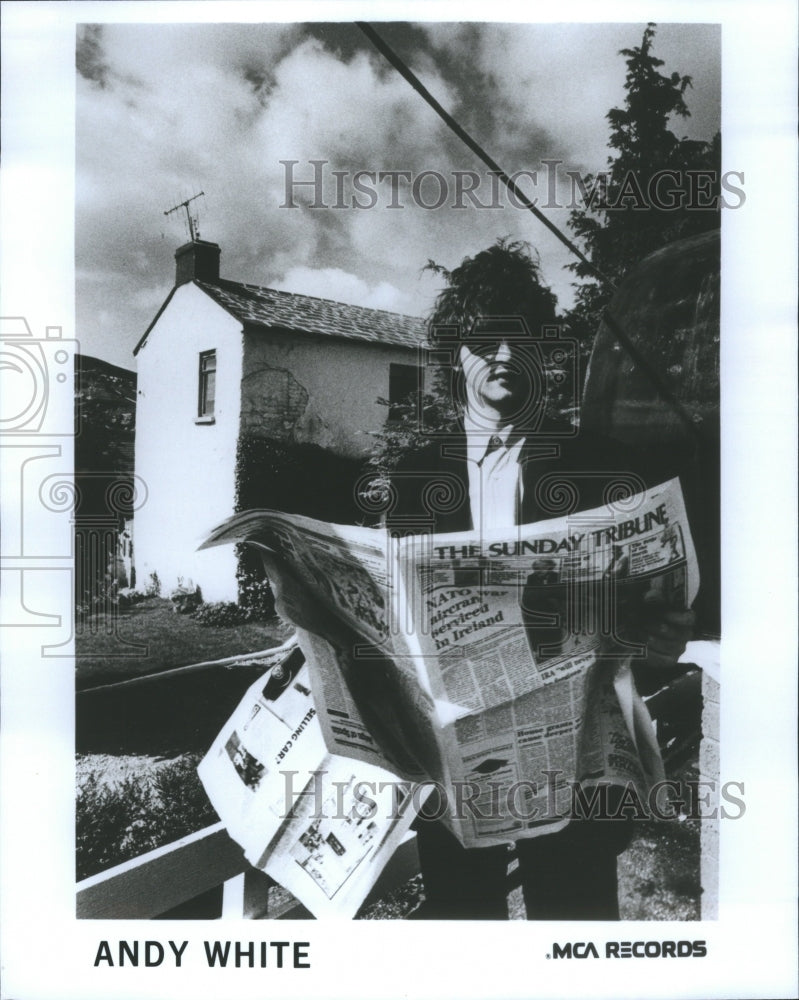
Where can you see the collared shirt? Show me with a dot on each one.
(495, 483)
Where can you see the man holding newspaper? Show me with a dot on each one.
(509, 466)
(494, 663)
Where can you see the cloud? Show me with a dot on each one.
(550, 86)
(333, 283)
(166, 111)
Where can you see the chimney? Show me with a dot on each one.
(198, 259)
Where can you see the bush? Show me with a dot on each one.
(127, 598)
(220, 614)
(97, 599)
(186, 600)
(117, 822)
(255, 593)
(112, 824)
(182, 797)
(256, 602)
(299, 478)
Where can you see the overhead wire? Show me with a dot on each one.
(634, 353)
(405, 71)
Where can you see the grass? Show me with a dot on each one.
(658, 879)
(150, 637)
(149, 805)
(144, 809)
(658, 874)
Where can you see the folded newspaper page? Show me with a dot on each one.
(302, 814)
(496, 666)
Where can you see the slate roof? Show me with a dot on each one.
(269, 308)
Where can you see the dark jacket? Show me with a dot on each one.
(560, 476)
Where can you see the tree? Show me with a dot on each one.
(105, 416)
(657, 188)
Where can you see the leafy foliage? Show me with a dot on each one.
(255, 594)
(105, 412)
(298, 478)
(256, 601)
(115, 822)
(95, 598)
(221, 614)
(622, 222)
(413, 420)
(127, 598)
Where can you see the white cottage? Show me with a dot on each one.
(224, 361)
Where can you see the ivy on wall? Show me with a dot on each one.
(296, 478)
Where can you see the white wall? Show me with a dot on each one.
(315, 389)
(292, 387)
(189, 468)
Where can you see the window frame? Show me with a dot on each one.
(206, 377)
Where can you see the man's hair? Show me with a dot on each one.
(498, 292)
(501, 281)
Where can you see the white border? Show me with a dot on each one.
(46, 953)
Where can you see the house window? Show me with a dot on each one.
(207, 393)
(403, 380)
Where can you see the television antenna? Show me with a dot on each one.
(191, 217)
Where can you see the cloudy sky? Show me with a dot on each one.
(167, 110)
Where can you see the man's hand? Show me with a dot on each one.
(665, 631)
(662, 630)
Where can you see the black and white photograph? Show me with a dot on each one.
(402, 398)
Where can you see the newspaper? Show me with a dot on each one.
(299, 812)
(495, 666)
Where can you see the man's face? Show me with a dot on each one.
(499, 377)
